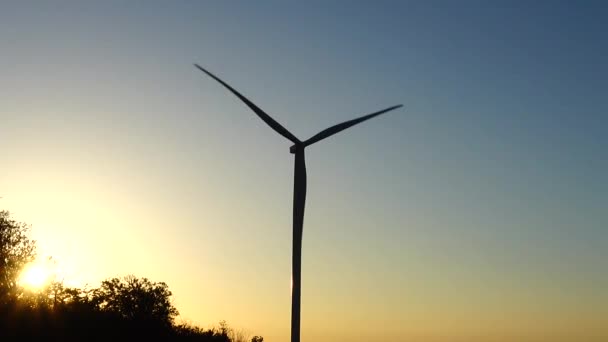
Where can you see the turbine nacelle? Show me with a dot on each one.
(295, 148)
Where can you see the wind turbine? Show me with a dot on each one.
(299, 188)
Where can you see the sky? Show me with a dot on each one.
(477, 212)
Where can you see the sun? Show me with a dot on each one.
(35, 276)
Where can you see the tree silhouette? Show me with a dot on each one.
(136, 299)
(127, 308)
(58, 296)
(16, 250)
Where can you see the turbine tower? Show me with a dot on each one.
(299, 189)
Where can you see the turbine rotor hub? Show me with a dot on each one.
(294, 148)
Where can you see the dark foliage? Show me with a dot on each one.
(127, 308)
(133, 298)
(16, 250)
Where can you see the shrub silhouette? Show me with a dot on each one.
(127, 308)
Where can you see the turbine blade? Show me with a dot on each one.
(344, 125)
(265, 117)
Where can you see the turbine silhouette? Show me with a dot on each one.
(299, 188)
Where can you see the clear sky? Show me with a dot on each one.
(475, 213)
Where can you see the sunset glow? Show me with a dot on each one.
(36, 276)
(476, 212)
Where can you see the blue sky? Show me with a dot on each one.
(485, 196)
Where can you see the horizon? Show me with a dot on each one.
(476, 212)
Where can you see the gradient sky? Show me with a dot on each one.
(475, 213)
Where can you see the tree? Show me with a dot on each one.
(58, 295)
(16, 250)
(136, 299)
